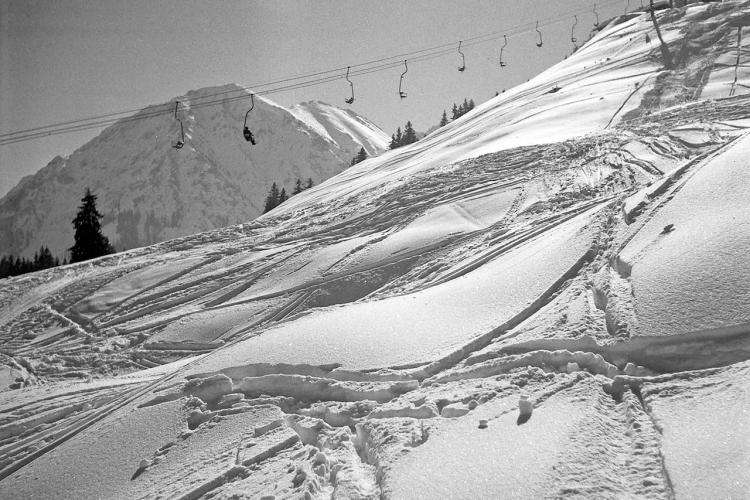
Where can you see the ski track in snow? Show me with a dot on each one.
(349, 343)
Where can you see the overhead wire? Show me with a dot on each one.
(282, 85)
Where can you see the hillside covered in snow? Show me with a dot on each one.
(151, 192)
(546, 298)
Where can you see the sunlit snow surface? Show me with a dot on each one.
(424, 325)
(697, 276)
(584, 249)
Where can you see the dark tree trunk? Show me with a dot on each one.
(664, 49)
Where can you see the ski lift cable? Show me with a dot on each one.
(222, 101)
(386, 63)
(244, 96)
(517, 30)
(78, 127)
(99, 125)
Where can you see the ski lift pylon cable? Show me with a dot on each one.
(401, 93)
(540, 42)
(461, 68)
(246, 131)
(349, 100)
(181, 141)
(322, 77)
(502, 63)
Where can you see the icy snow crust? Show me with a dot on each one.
(377, 336)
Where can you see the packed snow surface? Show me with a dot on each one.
(546, 298)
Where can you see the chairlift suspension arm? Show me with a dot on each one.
(401, 80)
(540, 42)
(246, 131)
(349, 100)
(573, 29)
(252, 105)
(181, 141)
(505, 37)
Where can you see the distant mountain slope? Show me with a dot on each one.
(342, 125)
(151, 192)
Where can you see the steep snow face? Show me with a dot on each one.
(342, 126)
(688, 264)
(150, 191)
(616, 75)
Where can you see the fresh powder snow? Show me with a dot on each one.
(546, 298)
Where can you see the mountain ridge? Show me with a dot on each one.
(150, 192)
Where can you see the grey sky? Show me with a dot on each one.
(69, 59)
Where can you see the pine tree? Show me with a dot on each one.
(297, 187)
(4, 267)
(444, 119)
(272, 200)
(282, 196)
(393, 144)
(45, 258)
(309, 183)
(89, 240)
(471, 104)
(361, 156)
(456, 113)
(410, 136)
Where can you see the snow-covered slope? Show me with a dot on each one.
(151, 192)
(580, 257)
(342, 126)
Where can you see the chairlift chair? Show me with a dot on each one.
(540, 42)
(349, 100)
(181, 141)
(502, 63)
(573, 30)
(401, 93)
(461, 68)
(246, 131)
(596, 23)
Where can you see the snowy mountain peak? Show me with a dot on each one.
(150, 191)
